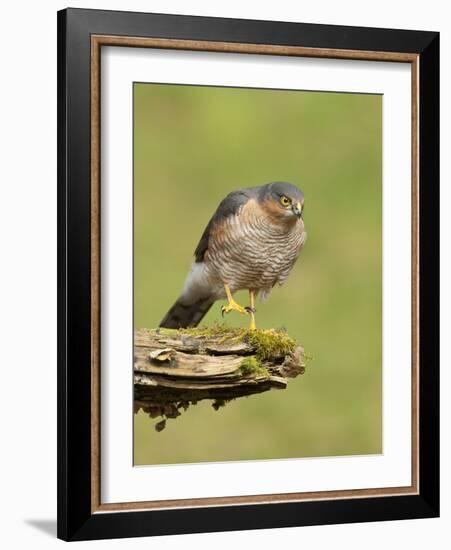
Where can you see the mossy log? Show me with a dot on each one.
(176, 368)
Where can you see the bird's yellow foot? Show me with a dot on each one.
(252, 325)
(233, 306)
(252, 310)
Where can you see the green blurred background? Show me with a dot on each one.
(192, 146)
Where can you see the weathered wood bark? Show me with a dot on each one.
(176, 368)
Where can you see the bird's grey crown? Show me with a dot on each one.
(278, 189)
(234, 200)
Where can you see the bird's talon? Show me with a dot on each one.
(233, 306)
(250, 309)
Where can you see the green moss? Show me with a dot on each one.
(250, 366)
(270, 343)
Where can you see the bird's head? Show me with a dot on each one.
(282, 201)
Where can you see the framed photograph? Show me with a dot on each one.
(248, 274)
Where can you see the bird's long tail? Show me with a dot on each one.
(183, 315)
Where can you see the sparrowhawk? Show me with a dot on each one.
(251, 242)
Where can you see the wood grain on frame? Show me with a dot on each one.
(125, 41)
(95, 278)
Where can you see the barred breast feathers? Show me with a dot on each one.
(249, 250)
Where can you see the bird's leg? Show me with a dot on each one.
(251, 310)
(232, 305)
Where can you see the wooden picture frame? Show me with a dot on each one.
(81, 35)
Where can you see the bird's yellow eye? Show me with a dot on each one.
(285, 201)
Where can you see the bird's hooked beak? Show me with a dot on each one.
(297, 209)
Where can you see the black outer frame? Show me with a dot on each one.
(75, 520)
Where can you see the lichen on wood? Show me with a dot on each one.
(174, 369)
